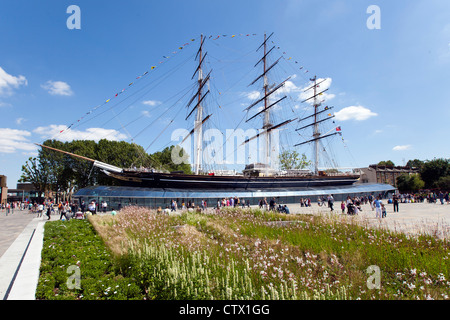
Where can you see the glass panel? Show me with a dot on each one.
(123, 196)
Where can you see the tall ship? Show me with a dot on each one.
(260, 175)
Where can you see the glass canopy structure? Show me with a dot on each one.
(118, 197)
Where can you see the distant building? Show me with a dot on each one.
(385, 174)
(23, 192)
(3, 190)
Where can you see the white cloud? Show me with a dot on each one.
(53, 131)
(12, 140)
(20, 120)
(151, 103)
(358, 113)
(402, 148)
(146, 113)
(253, 95)
(57, 88)
(4, 104)
(9, 82)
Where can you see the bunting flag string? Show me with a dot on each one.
(153, 67)
(291, 58)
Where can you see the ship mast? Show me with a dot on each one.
(316, 133)
(198, 119)
(268, 91)
(266, 122)
(317, 136)
(199, 96)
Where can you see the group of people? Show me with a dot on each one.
(49, 208)
(432, 197)
(352, 205)
(65, 209)
(438, 197)
(272, 205)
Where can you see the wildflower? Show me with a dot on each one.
(411, 286)
(413, 271)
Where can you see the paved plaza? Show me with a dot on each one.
(21, 237)
(412, 218)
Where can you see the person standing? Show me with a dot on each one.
(395, 202)
(92, 208)
(377, 204)
(272, 204)
(343, 207)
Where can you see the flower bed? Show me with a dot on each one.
(238, 254)
(249, 254)
(72, 247)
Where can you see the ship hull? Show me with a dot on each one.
(204, 182)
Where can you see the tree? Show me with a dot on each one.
(163, 160)
(433, 170)
(36, 173)
(402, 183)
(415, 183)
(412, 183)
(416, 163)
(388, 163)
(62, 173)
(443, 183)
(291, 160)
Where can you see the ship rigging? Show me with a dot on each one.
(258, 175)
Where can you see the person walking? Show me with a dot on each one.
(330, 202)
(62, 210)
(49, 211)
(40, 210)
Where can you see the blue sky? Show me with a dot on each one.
(388, 86)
